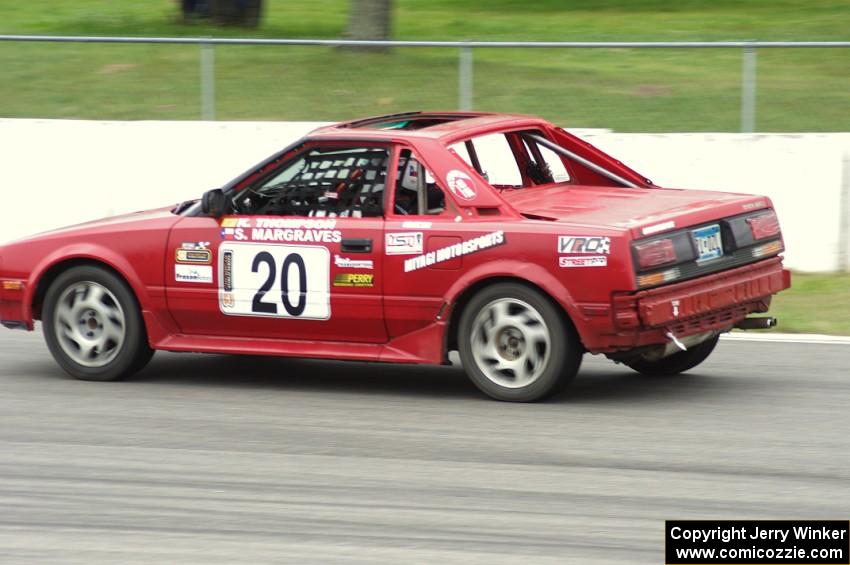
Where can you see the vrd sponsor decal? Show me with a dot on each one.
(583, 251)
(587, 244)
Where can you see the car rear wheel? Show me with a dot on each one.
(676, 363)
(515, 345)
(93, 326)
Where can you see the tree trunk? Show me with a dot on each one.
(193, 9)
(236, 12)
(370, 20)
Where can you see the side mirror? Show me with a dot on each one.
(214, 203)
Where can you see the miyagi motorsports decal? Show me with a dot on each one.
(348, 263)
(280, 281)
(405, 243)
(583, 250)
(461, 185)
(193, 273)
(456, 250)
(284, 230)
(359, 280)
(194, 253)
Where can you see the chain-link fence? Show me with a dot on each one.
(627, 86)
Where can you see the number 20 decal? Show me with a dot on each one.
(283, 281)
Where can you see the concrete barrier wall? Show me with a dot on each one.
(60, 172)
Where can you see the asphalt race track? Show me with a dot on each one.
(213, 459)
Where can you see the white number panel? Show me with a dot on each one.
(282, 281)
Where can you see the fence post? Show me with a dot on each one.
(207, 81)
(844, 216)
(748, 90)
(464, 79)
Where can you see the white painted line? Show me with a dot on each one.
(788, 338)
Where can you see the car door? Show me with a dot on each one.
(425, 244)
(311, 271)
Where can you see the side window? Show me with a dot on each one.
(322, 182)
(544, 165)
(556, 165)
(492, 157)
(416, 190)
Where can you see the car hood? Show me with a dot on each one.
(641, 210)
(113, 223)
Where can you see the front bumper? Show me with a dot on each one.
(12, 303)
(709, 303)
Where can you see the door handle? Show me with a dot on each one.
(357, 244)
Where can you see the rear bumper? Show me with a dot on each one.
(710, 303)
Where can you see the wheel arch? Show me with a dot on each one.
(50, 271)
(563, 303)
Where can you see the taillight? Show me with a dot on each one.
(654, 253)
(764, 226)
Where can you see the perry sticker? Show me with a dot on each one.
(461, 185)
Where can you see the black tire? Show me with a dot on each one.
(560, 359)
(122, 359)
(676, 363)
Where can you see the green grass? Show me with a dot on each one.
(622, 89)
(815, 303)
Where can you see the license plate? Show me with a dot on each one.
(708, 242)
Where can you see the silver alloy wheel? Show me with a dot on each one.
(510, 342)
(89, 324)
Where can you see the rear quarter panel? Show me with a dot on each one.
(529, 252)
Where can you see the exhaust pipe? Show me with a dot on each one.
(756, 323)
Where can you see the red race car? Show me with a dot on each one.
(401, 238)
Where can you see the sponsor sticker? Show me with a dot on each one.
(348, 263)
(416, 225)
(198, 256)
(455, 250)
(649, 230)
(461, 185)
(585, 261)
(193, 273)
(754, 205)
(280, 230)
(274, 280)
(585, 244)
(227, 271)
(405, 243)
(359, 280)
(583, 250)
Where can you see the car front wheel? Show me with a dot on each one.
(515, 345)
(93, 326)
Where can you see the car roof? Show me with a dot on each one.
(419, 125)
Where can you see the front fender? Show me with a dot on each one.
(86, 251)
